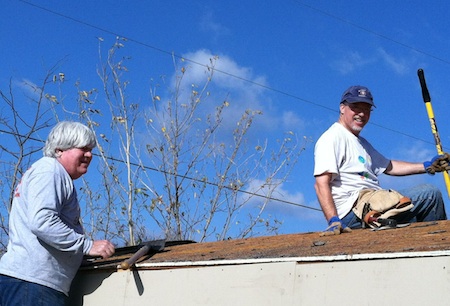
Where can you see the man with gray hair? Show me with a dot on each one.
(46, 239)
(346, 165)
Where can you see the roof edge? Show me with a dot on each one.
(343, 257)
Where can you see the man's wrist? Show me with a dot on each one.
(334, 219)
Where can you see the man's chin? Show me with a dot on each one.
(357, 128)
(82, 170)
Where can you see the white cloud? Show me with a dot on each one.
(399, 66)
(355, 61)
(291, 204)
(228, 73)
(350, 62)
(209, 25)
(291, 121)
(416, 152)
(28, 87)
(238, 85)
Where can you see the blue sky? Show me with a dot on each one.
(291, 59)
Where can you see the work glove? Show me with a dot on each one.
(438, 163)
(335, 227)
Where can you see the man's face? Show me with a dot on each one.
(76, 161)
(354, 116)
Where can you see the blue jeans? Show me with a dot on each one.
(15, 291)
(428, 206)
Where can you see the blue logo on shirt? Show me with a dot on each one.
(361, 159)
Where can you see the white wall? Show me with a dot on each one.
(399, 281)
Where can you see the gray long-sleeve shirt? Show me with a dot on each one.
(46, 240)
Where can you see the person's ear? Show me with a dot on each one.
(341, 108)
(58, 152)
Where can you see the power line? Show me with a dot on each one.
(278, 91)
(275, 90)
(385, 37)
(182, 176)
(138, 42)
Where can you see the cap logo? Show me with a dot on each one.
(362, 92)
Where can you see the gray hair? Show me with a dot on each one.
(68, 135)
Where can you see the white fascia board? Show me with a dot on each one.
(348, 257)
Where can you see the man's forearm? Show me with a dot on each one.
(328, 208)
(325, 198)
(400, 168)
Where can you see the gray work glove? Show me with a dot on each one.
(439, 163)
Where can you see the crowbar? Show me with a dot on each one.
(148, 247)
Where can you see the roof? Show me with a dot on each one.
(417, 238)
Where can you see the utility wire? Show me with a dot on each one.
(371, 31)
(279, 91)
(146, 45)
(183, 176)
(138, 42)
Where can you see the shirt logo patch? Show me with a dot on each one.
(361, 159)
(364, 175)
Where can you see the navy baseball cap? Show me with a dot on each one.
(356, 94)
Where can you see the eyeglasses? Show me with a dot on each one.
(359, 109)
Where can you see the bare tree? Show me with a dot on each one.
(204, 175)
(169, 166)
(119, 170)
(177, 163)
(21, 121)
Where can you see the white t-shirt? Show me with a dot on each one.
(353, 163)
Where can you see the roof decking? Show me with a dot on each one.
(425, 237)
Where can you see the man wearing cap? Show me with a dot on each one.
(346, 163)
